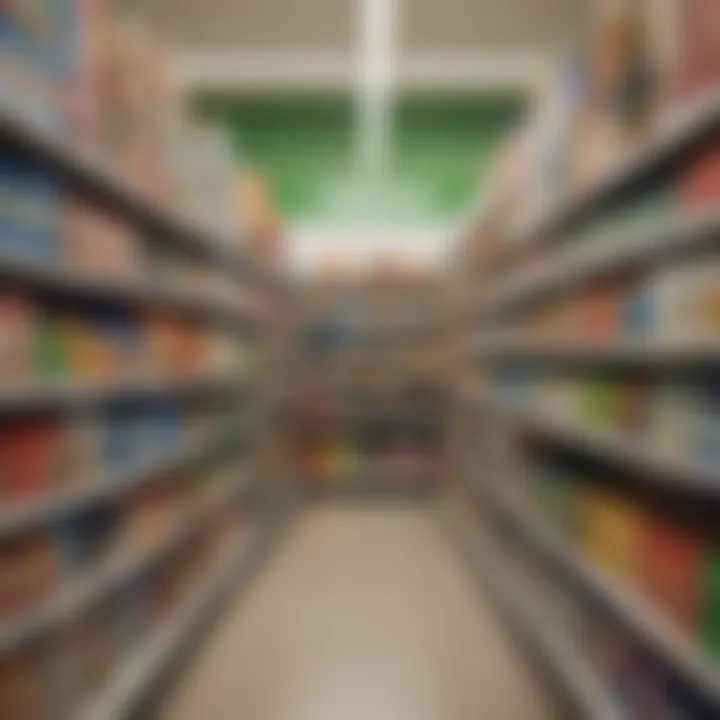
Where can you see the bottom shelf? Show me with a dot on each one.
(142, 670)
(573, 676)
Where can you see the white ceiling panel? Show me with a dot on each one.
(257, 25)
(490, 25)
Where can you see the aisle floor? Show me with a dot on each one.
(362, 613)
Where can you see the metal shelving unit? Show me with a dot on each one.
(625, 455)
(548, 641)
(569, 261)
(598, 261)
(658, 158)
(92, 587)
(21, 517)
(81, 285)
(76, 396)
(85, 176)
(631, 355)
(145, 669)
(88, 587)
(637, 615)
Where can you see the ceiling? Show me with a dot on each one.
(439, 43)
(263, 49)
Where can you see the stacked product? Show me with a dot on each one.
(123, 506)
(648, 64)
(369, 418)
(600, 319)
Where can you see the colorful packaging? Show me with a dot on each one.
(674, 565)
(29, 571)
(32, 460)
(23, 686)
(17, 327)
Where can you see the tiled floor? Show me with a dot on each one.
(362, 614)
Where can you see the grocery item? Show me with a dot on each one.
(17, 329)
(29, 571)
(33, 460)
(673, 578)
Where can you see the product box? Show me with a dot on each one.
(674, 574)
(153, 514)
(614, 531)
(99, 244)
(32, 460)
(51, 363)
(37, 42)
(698, 43)
(88, 540)
(17, 335)
(23, 686)
(104, 346)
(29, 572)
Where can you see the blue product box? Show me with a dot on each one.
(121, 440)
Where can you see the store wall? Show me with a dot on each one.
(441, 151)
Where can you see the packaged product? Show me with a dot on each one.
(99, 244)
(96, 649)
(699, 47)
(121, 439)
(51, 363)
(163, 335)
(33, 457)
(711, 604)
(601, 315)
(17, 334)
(614, 530)
(37, 61)
(675, 559)
(700, 182)
(29, 571)
(103, 345)
(31, 215)
(152, 517)
(89, 539)
(23, 686)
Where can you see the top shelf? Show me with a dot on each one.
(659, 157)
(94, 182)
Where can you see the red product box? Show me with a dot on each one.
(698, 25)
(31, 460)
(701, 183)
(674, 573)
(23, 686)
(29, 570)
(601, 314)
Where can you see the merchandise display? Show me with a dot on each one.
(596, 350)
(126, 502)
(372, 418)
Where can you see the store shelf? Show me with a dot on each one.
(75, 284)
(623, 355)
(82, 395)
(597, 261)
(625, 455)
(662, 155)
(89, 179)
(98, 583)
(637, 615)
(15, 519)
(145, 668)
(573, 676)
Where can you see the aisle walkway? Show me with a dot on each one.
(362, 614)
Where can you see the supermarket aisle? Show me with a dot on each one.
(363, 613)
